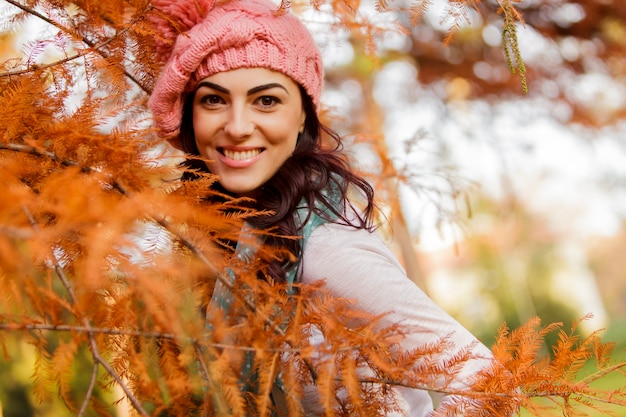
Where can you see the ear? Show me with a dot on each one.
(302, 120)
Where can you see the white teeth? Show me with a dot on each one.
(241, 156)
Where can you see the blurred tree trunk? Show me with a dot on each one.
(372, 126)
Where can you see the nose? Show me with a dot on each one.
(239, 124)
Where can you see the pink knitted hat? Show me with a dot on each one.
(204, 37)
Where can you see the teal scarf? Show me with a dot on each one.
(222, 299)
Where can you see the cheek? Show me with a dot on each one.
(287, 141)
(285, 133)
(203, 134)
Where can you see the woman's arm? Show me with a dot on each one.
(357, 264)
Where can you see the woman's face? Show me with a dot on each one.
(246, 123)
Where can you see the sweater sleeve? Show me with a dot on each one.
(358, 265)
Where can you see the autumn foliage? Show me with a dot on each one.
(106, 256)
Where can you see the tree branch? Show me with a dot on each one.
(152, 335)
(16, 232)
(214, 390)
(603, 372)
(90, 388)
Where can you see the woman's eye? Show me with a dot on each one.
(268, 101)
(211, 99)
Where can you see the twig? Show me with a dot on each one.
(42, 17)
(34, 151)
(83, 329)
(90, 388)
(84, 52)
(602, 372)
(219, 401)
(153, 335)
(16, 232)
(94, 47)
(587, 395)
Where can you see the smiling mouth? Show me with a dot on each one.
(240, 155)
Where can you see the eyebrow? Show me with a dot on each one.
(251, 91)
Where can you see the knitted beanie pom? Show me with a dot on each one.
(170, 18)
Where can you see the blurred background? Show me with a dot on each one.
(512, 203)
(503, 204)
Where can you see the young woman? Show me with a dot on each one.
(241, 88)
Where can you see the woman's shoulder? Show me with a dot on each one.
(338, 246)
(347, 235)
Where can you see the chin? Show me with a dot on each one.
(241, 191)
(241, 185)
